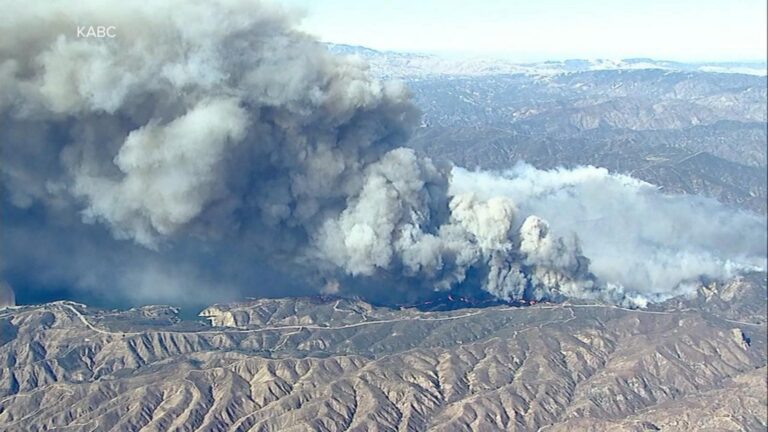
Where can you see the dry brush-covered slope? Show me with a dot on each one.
(299, 364)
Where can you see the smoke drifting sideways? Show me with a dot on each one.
(643, 245)
(210, 147)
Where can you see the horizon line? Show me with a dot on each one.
(531, 57)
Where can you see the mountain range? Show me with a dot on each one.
(332, 364)
(688, 128)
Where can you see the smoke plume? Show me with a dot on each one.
(7, 298)
(221, 148)
(642, 244)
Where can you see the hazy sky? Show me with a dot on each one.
(547, 29)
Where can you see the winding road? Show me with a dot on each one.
(296, 328)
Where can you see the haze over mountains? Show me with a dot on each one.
(673, 124)
(406, 65)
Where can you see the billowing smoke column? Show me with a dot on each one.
(215, 124)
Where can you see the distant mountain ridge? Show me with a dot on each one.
(677, 125)
(395, 64)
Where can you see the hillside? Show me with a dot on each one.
(335, 364)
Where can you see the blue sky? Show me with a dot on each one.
(701, 30)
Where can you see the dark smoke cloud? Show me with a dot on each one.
(220, 149)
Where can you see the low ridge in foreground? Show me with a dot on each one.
(304, 364)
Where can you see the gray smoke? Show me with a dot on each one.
(214, 130)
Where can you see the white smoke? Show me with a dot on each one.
(7, 297)
(637, 239)
(394, 223)
(216, 125)
(170, 172)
